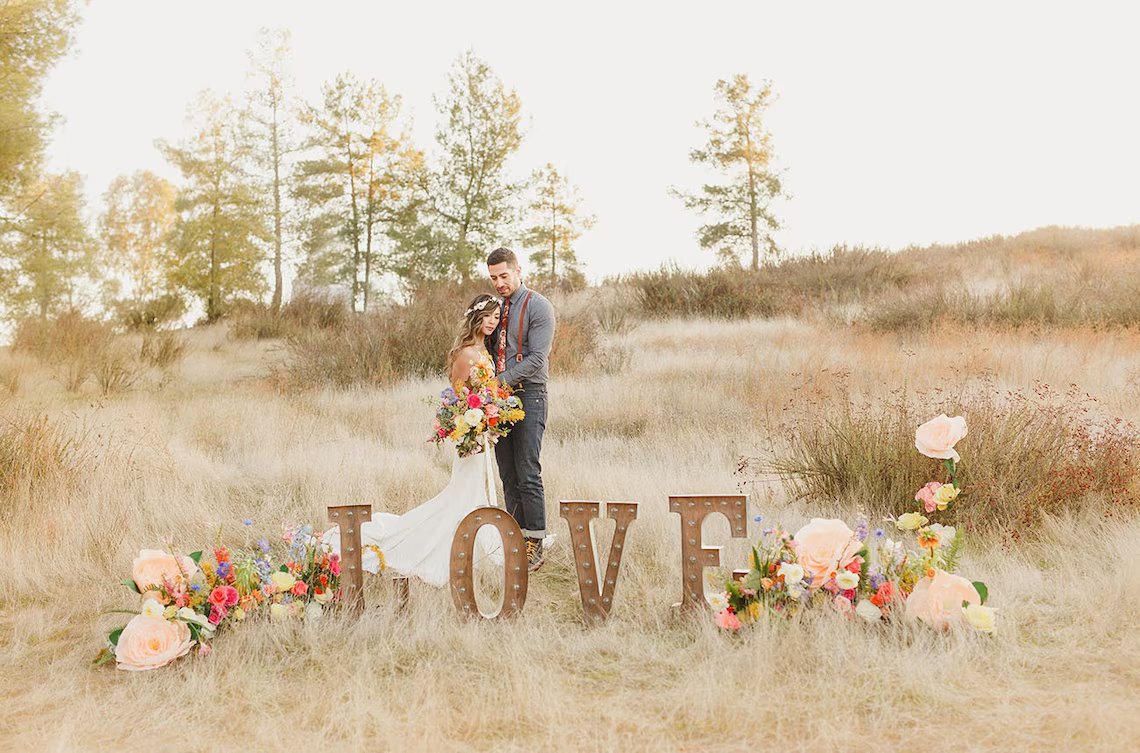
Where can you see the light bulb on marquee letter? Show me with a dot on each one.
(597, 596)
(695, 557)
(349, 518)
(516, 575)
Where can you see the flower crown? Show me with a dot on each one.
(481, 306)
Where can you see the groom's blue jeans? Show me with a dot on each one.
(517, 455)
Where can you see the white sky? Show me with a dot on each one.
(898, 122)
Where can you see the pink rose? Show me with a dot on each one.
(299, 588)
(938, 601)
(334, 567)
(842, 605)
(154, 565)
(231, 596)
(824, 546)
(150, 643)
(474, 401)
(727, 620)
(491, 410)
(218, 597)
(217, 614)
(925, 495)
(936, 438)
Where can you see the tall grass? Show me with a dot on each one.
(1028, 454)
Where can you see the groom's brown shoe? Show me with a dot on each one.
(534, 554)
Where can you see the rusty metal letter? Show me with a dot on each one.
(515, 577)
(349, 518)
(695, 557)
(597, 597)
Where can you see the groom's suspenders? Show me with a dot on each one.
(522, 318)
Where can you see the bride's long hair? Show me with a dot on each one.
(482, 307)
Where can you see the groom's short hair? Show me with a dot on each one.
(500, 255)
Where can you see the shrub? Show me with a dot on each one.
(150, 313)
(162, 350)
(1026, 454)
(36, 455)
(71, 344)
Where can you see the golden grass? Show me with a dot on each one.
(218, 444)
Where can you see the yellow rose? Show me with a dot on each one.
(911, 521)
(283, 581)
(981, 618)
(946, 494)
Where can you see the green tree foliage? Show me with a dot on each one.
(270, 116)
(474, 202)
(34, 34)
(221, 230)
(48, 258)
(358, 184)
(135, 227)
(556, 221)
(740, 149)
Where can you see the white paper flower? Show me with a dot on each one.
(473, 417)
(868, 611)
(846, 579)
(718, 602)
(945, 533)
(791, 572)
(151, 608)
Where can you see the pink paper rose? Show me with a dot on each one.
(150, 643)
(936, 438)
(925, 495)
(474, 401)
(824, 546)
(938, 601)
(727, 620)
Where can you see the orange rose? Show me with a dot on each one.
(824, 546)
(153, 564)
(938, 601)
(150, 643)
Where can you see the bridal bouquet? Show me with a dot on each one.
(476, 416)
(863, 573)
(186, 601)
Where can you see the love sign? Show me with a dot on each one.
(596, 589)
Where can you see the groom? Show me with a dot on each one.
(520, 346)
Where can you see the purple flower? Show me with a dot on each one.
(263, 544)
(861, 530)
(223, 569)
(876, 581)
(247, 522)
(758, 519)
(879, 533)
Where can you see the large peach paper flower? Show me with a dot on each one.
(938, 601)
(936, 438)
(824, 546)
(150, 643)
(152, 565)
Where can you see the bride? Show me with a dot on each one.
(418, 543)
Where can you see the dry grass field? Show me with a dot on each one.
(88, 480)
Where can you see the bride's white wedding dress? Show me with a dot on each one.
(418, 543)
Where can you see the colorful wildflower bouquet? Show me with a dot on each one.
(187, 600)
(479, 414)
(863, 573)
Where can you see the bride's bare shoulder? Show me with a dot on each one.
(467, 356)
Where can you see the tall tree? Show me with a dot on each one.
(34, 34)
(135, 227)
(49, 256)
(740, 149)
(221, 231)
(473, 197)
(556, 222)
(270, 116)
(357, 184)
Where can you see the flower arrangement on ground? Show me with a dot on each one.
(863, 573)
